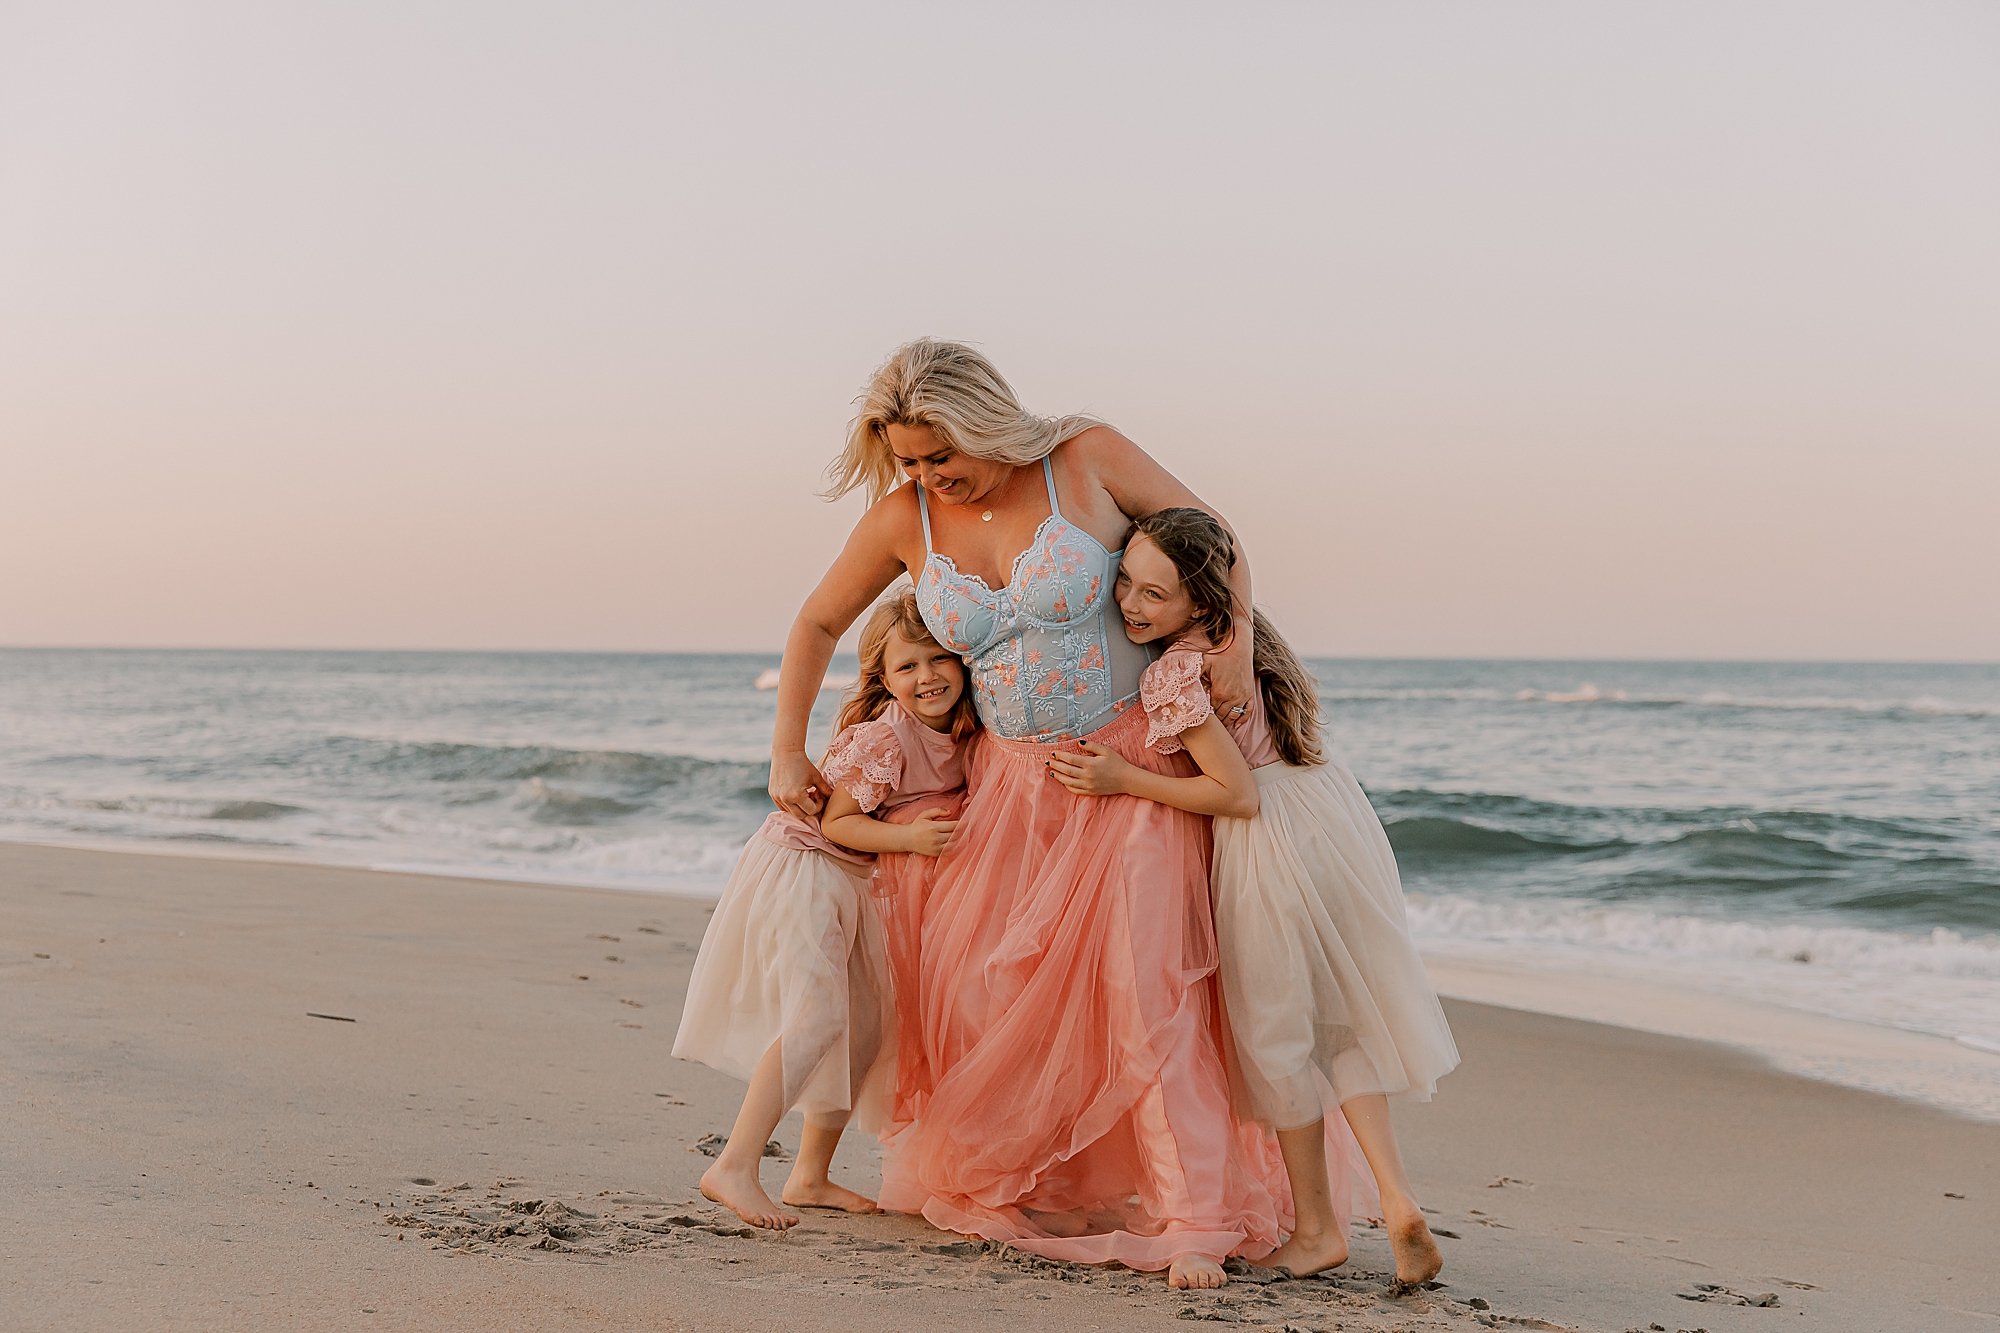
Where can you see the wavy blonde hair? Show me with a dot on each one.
(960, 396)
(896, 614)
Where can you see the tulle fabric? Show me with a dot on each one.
(1327, 998)
(1062, 1087)
(795, 953)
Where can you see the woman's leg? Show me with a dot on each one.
(808, 1186)
(1417, 1257)
(1319, 1241)
(733, 1181)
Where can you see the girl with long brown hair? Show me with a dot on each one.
(792, 989)
(1327, 1002)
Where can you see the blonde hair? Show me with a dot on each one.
(961, 397)
(871, 693)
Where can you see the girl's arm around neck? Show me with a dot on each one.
(845, 824)
(1224, 787)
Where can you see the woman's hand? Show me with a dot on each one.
(1232, 674)
(796, 786)
(929, 836)
(1100, 772)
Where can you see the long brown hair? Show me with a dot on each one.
(1203, 553)
(871, 693)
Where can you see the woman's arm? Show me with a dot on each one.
(868, 564)
(847, 825)
(1139, 485)
(1224, 787)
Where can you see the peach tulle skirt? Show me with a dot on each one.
(1060, 1079)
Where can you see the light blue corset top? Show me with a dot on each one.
(1048, 655)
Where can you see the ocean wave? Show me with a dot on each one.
(244, 811)
(634, 772)
(1589, 693)
(1884, 868)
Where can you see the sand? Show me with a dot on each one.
(499, 1138)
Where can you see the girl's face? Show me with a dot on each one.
(1150, 595)
(924, 678)
(950, 476)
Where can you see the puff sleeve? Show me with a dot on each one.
(1175, 698)
(866, 759)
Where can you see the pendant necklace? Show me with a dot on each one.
(986, 517)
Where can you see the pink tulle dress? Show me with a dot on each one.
(1326, 997)
(795, 952)
(1066, 1091)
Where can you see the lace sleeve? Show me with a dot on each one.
(1175, 699)
(867, 759)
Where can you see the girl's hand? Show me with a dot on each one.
(929, 836)
(796, 786)
(1101, 772)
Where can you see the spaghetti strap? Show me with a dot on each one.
(1049, 475)
(924, 510)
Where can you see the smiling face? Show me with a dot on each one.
(951, 477)
(924, 678)
(1150, 594)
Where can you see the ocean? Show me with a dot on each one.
(1821, 837)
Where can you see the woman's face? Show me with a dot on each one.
(953, 477)
(924, 678)
(1150, 594)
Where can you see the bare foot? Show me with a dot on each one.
(826, 1194)
(743, 1194)
(1305, 1255)
(1067, 1224)
(1195, 1271)
(1417, 1257)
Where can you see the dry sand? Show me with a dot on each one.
(500, 1139)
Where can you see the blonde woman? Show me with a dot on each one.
(1069, 1096)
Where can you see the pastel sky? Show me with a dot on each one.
(1526, 329)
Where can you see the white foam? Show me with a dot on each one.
(1942, 984)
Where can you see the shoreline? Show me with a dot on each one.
(195, 1146)
(1944, 1073)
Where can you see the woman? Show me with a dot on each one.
(1069, 1096)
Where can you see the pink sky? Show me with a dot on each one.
(1536, 330)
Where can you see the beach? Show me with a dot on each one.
(245, 1094)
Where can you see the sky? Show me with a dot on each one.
(1522, 330)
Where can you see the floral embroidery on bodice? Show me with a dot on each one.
(1048, 661)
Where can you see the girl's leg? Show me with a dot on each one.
(1417, 1257)
(733, 1180)
(808, 1186)
(1319, 1241)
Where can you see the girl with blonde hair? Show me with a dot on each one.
(792, 989)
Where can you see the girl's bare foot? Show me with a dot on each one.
(1417, 1257)
(1195, 1272)
(1305, 1255)
(742, 1193)
(826, 1194)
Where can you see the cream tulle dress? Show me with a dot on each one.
(795, 952)
(1326, 999)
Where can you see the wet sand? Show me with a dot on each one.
(500, 1138)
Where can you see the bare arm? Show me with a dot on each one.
(847, 825)
(867, 564)
(1224, 786)
(1139, 486)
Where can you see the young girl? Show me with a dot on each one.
(791, 989)
(1328, 1004)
